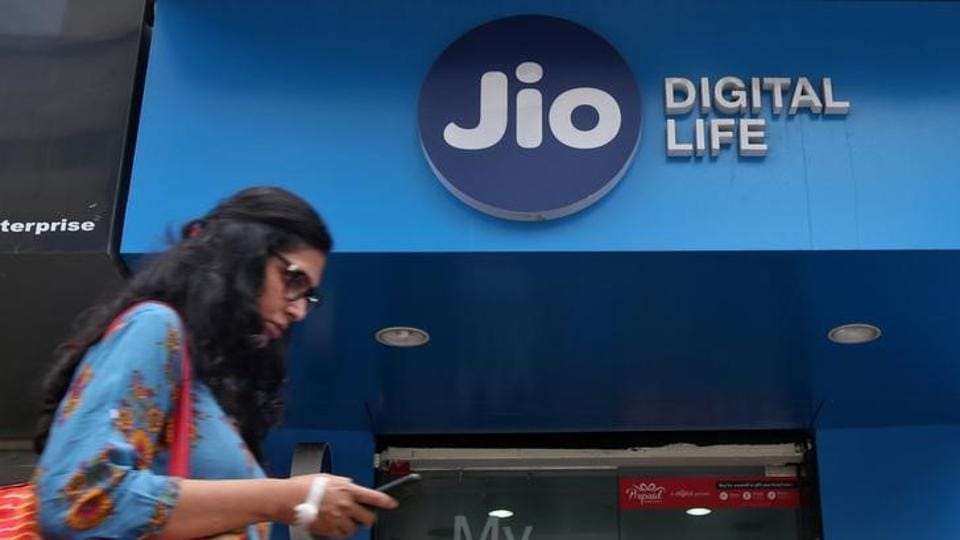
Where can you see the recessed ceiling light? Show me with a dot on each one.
(402, 336)
(854, 333)
(502, 514)
(699, 511)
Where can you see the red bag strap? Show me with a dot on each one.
(183, 412)
(182, 416)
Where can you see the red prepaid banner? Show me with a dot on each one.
(684, 493)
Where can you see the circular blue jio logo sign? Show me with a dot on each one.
(529, 117)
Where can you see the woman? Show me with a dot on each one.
(229, 292)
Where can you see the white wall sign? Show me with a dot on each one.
(736, 99)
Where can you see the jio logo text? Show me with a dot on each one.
(494, 93)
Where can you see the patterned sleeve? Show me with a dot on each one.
(96, 479)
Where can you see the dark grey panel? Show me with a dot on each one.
(40, 294)
(16, 463)
(67, 76)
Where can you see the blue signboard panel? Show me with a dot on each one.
(323, 98)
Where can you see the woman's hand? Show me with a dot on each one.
(211, 507)
(345, 506)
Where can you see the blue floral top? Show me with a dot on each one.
(103, 472)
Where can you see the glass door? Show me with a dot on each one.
(620, 501)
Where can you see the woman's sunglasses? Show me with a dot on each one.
(297, 283)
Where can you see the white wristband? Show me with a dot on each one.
(307, 510)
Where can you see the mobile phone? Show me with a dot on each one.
(402, 487)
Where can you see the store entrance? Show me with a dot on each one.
(727, 492)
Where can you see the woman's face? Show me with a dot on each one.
(289, 285)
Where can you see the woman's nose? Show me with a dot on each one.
(297, 309)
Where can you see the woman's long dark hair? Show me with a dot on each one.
(213, 278)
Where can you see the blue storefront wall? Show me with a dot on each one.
(889, 483)
(322, 97)
(695, 295)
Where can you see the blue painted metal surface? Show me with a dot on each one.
(889, 483)
(630, 341)
(556, 342)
